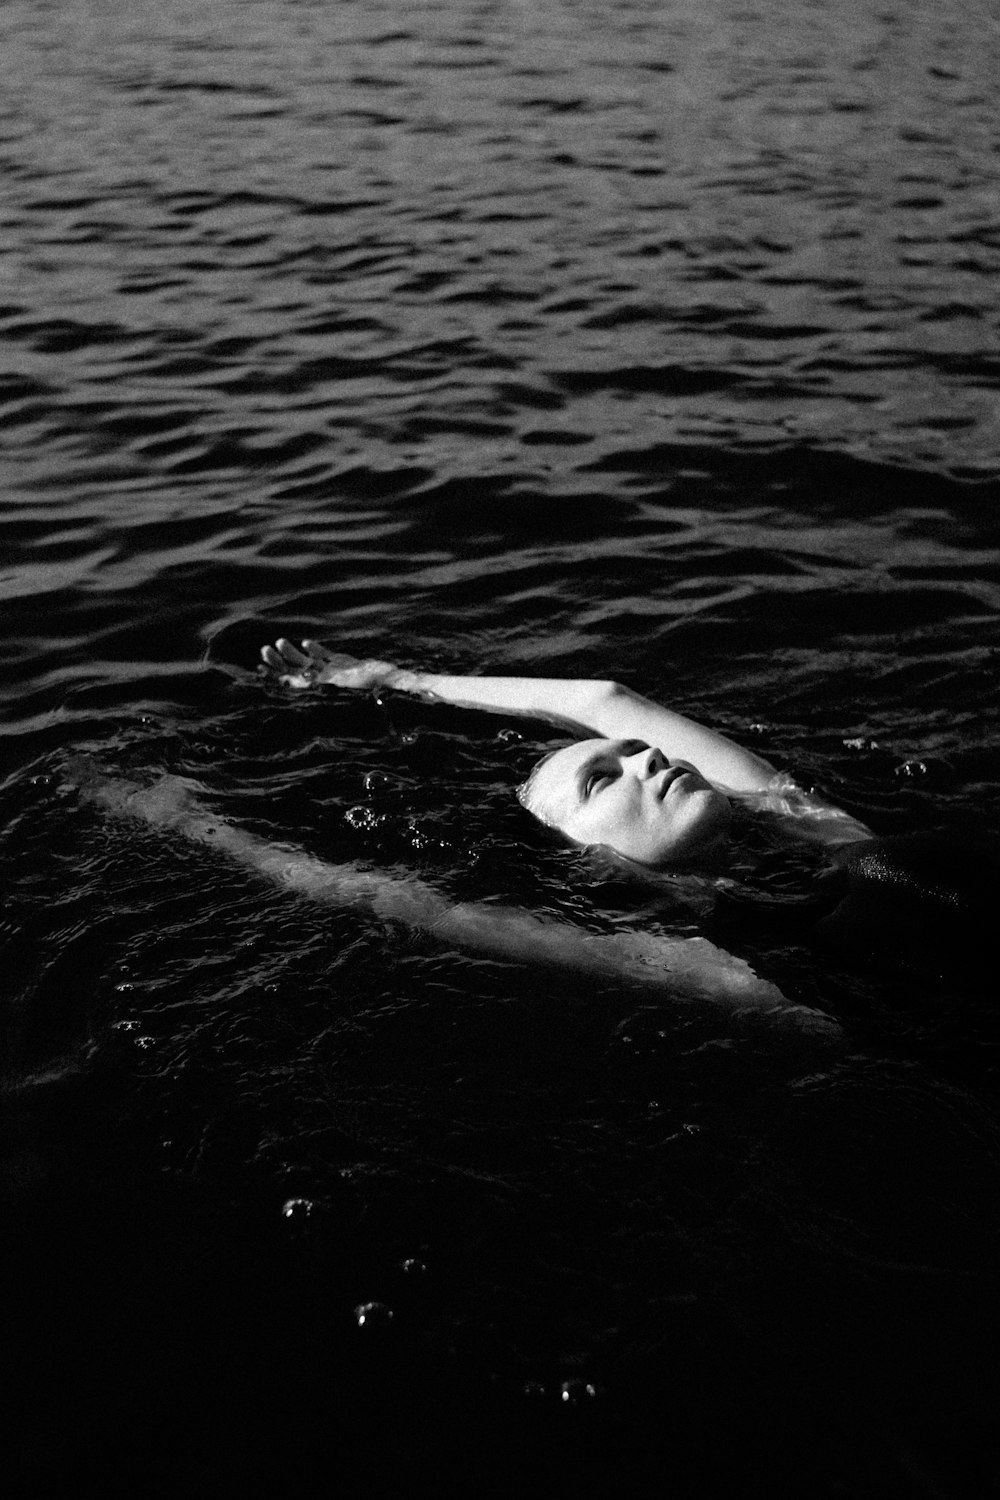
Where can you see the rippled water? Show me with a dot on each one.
(643, 339)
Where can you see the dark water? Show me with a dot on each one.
(637, 339)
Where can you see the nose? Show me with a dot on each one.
(648, 761)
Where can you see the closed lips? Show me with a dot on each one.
(672, 774)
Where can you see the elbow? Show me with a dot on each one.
(617, 704)
(607, 692)
(588, 705)
(604, 710)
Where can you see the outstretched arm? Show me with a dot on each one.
(682, 968)
(582, 705)
(587, 707)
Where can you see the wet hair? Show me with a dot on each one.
(526, 791)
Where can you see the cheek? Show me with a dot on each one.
(612, 819)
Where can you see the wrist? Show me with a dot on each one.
(406, 681)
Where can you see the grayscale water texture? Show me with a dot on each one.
(645, 339)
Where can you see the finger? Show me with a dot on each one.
(291, 653)
(288, 673)
(317, 652)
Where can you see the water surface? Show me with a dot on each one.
(634, 339)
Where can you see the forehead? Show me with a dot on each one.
(556, 789)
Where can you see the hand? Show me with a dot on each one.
(314, 666)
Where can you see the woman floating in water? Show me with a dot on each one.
(661, 791)
(642, 781)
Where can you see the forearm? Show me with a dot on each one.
(683, 968)
(170, 803)
(580, 704)
(605, 709)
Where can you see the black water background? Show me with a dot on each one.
(653, 340)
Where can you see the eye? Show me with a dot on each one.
(596, 780)
(633, 747)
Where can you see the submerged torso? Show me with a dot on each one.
(917, 904)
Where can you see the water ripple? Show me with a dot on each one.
(570, 336)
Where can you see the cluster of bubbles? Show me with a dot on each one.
(374, 1315)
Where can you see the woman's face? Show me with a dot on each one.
(630, 797)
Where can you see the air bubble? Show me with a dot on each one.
(577, 1392)
(298, 1210)
(361, 817)
(373, 1315)
(912, 768)
(413, 1267)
